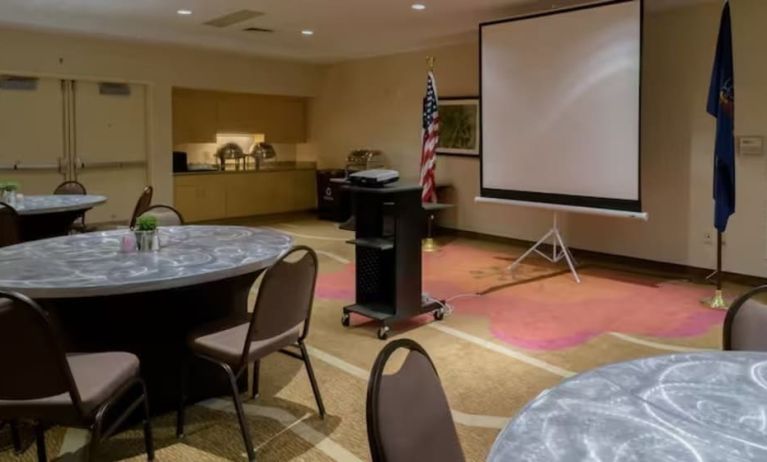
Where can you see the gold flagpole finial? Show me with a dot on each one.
(430, 62)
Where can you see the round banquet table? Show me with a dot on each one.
(147, 303)
(697, 407)
(53, 215)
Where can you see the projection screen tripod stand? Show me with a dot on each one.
(559, 250)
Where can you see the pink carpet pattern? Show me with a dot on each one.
(551, 313)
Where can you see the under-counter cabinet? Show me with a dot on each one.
(218, 195)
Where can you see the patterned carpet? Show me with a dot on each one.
(494, 353)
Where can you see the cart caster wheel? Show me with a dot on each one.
(345, 320)
(383, 332)
(439, 314)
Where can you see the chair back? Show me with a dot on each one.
(408, 416)
(70, 188)
(746, 323)
(165, 214)
(285, 296)
(141, 204)
(31, 357)
(10, 225)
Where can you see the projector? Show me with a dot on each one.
(374, 177)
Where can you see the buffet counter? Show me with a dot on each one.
(274, 188)
(268, 167)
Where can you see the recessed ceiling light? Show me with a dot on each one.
(418, 6)
(184, 12)
(307, 32)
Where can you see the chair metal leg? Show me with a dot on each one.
(181, 412)
(256, 375)
(148, 440)
(93, 444)
(42, 456)
(16, 437)
(312, 379)
(244, 428)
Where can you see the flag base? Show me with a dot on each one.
(429, 245)
(717, 302)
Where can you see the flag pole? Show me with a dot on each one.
(430, 60)
(721, 105)
(429, 244)
(717, 302)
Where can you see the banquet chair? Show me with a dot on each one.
(165, 214)
(408, 416)
(10, 225)
(43, 384)
(15, 435)
(746, 323)
(280, 321)
(70, 188)
(141, 205)
(73, 188)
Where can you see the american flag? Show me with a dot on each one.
(429, 140)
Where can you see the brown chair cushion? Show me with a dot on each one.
(226, 344)
(97, 377)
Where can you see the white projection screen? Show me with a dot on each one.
(560, 98)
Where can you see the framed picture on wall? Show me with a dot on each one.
(459, 126)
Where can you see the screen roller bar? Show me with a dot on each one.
(565, 208)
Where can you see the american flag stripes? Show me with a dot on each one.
(429, 140)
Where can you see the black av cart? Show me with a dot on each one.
(389, 229)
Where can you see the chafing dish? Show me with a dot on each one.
(364, 159)
(262, 151)
(230, 151)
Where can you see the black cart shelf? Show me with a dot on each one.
(389, 229)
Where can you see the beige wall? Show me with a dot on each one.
(161, 67)
(376, 103)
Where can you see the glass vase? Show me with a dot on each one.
(147, 241)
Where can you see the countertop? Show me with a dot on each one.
(270, 167)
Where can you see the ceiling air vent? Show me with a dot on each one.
(258, 29)
(233, 18)
(114, 89)
(17, 82)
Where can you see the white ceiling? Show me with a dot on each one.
(344, 29)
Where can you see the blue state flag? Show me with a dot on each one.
(721, 104)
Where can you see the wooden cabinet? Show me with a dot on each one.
(200, 198)
(214, 196)
(287, 121)
(198, 115)
(240, 113)
(195, 115)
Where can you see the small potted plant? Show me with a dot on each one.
(146, 234)
(8, 189)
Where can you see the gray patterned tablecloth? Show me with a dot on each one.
(36, 205)
(92, 264)
(697, 407)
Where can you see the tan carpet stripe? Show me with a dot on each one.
(303, 431)
(519, 356)
(656, 345)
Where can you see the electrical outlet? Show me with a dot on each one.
(709, 238)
